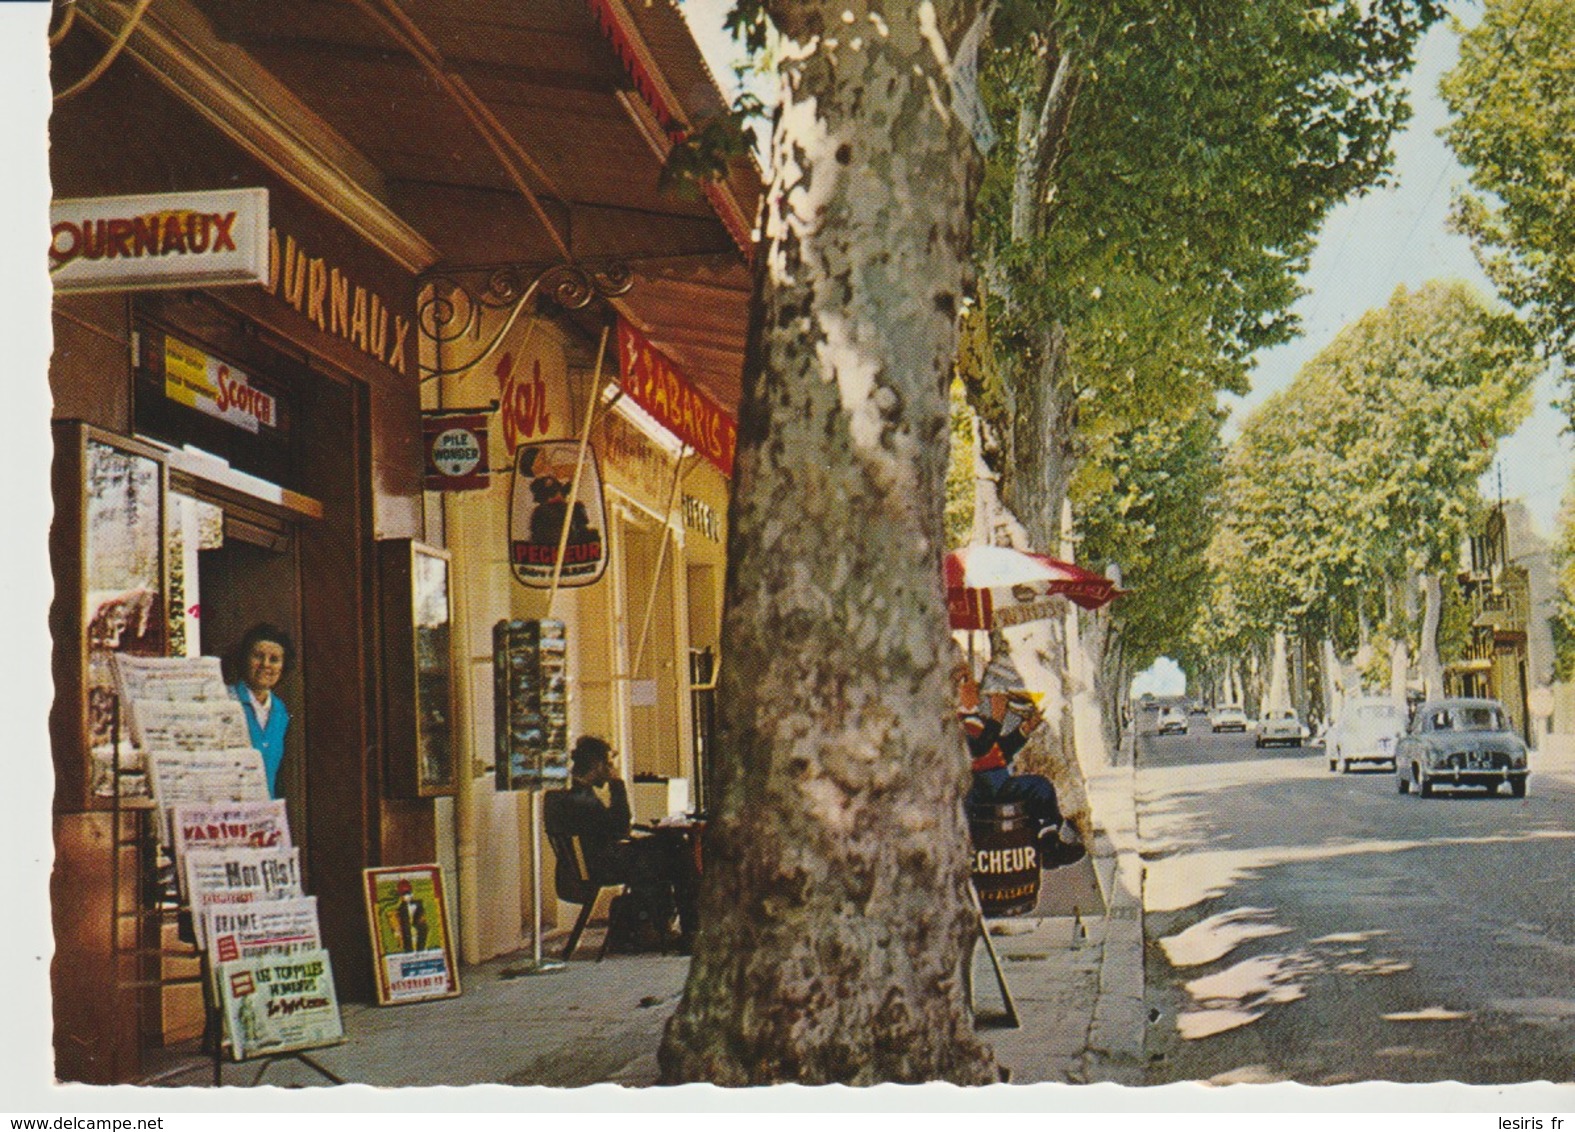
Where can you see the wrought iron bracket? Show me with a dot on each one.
(455, 304)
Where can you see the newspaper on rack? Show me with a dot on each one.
(235, 774)
(218, 878)
(196, 679)
(264, 927)
(191, 725)
(226, 825)
(275, 1004)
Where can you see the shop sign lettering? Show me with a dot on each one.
(210, 386)
(633, 456)
(334, 304)
(681, 407)
(160, 240)
(522, 402)
(701, 517)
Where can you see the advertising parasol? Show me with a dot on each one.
(995, 587)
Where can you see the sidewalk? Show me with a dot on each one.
(1077, 983)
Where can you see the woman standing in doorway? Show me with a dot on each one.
(265, 656)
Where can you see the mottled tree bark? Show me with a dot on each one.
(1427, 655)
(835, 911)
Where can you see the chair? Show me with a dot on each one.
(571, 876)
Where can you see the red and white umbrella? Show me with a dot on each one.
(993, 587)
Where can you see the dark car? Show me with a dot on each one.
(1460, 743)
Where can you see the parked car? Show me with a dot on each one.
(1230, 718)
(1366, 732)
(1461, 742)
(1172, 721)
(1280, 725)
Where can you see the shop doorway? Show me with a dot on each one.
(653, 746)
(232, 568)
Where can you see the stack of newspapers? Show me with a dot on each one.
(234, 862)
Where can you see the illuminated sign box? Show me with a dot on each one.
(159, 241)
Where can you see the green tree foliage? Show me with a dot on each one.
(1179, 174)
(1513, 100)
(1364, 471)
(1143, 225)
(1152, 515)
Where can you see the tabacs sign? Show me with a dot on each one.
(657, 385)
(160, 240)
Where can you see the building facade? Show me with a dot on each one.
(245, 441)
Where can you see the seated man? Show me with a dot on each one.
(659, 871)
(992, 747)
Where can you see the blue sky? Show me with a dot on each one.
(1392, 236)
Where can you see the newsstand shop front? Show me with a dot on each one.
(254, 205)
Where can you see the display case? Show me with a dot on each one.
(107, 548)
(419, 734)
(530, 704)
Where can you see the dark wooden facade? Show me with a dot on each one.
(355, 451)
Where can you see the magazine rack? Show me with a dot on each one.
(158, 904)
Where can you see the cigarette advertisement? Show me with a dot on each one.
(274, 1004)
(541, 518)
(412, 951)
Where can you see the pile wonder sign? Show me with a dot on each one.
(160, 240)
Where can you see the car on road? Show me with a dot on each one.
(1197, 708)
(1366, 732)
(1172, 721)
(1279, 725)
(1461, 742)
(1229, 718)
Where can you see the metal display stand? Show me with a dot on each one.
(1011, 1020)
(531, 730)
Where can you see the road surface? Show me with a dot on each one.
(1321, 928)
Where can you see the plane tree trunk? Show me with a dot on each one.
(835, 908)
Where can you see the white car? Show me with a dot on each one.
(1230, 718)
(1172, 721)
(1366, 732)
(1280, 725)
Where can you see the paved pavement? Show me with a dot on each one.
(1076, 980)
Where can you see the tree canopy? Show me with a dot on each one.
(1513, 102)
(1364, 470)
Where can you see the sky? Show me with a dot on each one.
(1392, 236)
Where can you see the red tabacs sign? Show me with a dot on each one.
(681, 407)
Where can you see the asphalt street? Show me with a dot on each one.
(1315, 927)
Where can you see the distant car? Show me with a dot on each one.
(1366, 732)
(1461, 742)
(1229, 718)
(1172, 721)
(1198, 708)
(1281, 725)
